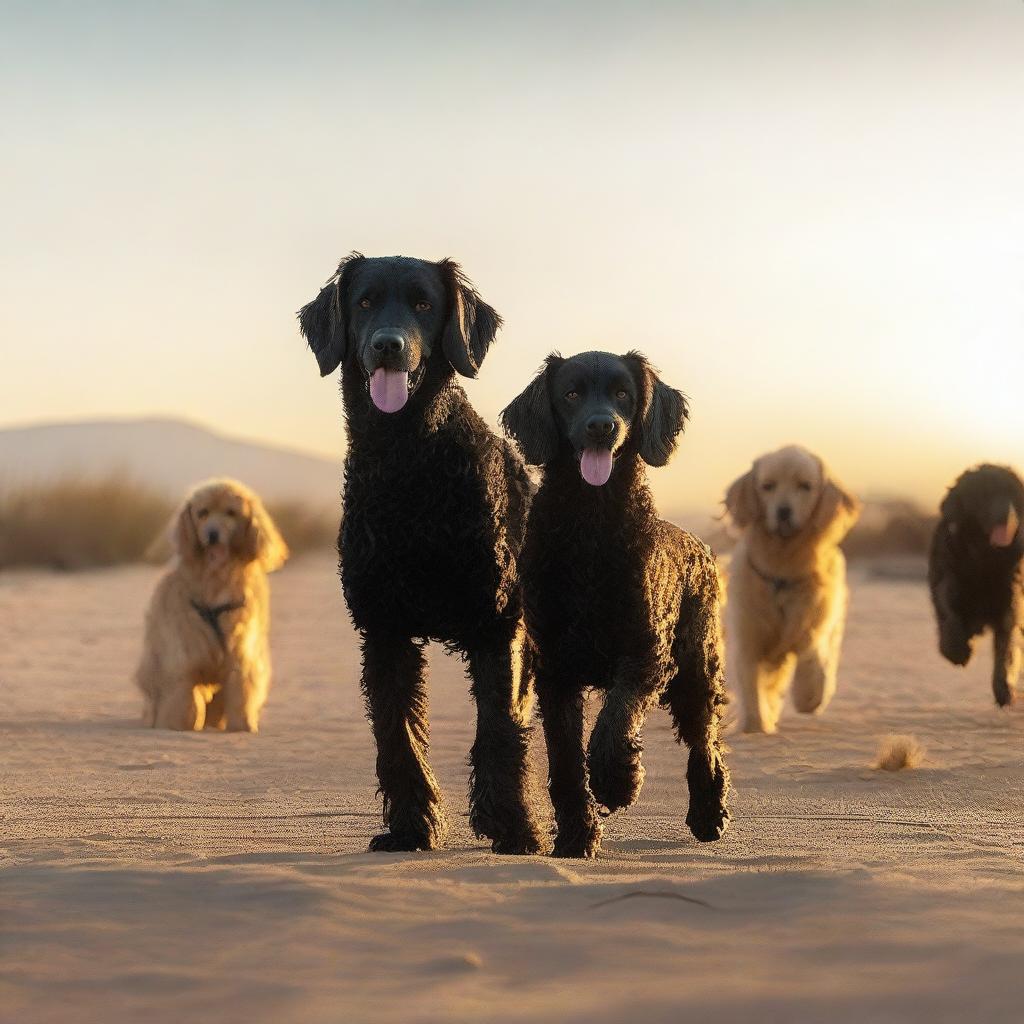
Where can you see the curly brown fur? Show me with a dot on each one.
(976, 571)
(206, 657)
(615, 598)
(787, 584)
(434, 510)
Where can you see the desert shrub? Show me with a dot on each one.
(891, 528)
(73, 524)
(304, 527)
(79, 524)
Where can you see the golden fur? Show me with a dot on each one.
(225, 543)
(787, 584)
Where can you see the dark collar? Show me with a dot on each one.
(777, 583)
(211, 613)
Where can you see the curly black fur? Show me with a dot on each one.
(976, 571)
(615, 598)
(434, 511)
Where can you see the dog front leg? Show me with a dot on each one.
(182, 708)
(817, 669)
(244, 691)
(578, 827)
(500, 797)
(1007, 662)
(954, 637)
(758, 693)
(395, 688)
(615, 750)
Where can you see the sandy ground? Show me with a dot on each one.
(167, 877)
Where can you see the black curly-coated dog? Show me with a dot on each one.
(434, 509)
(615, 598)
(976, 571)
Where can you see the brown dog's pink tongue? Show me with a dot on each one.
(596, 465)
(1003, 534)
(389, 389)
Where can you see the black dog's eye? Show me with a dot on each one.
(202, 513)
(423, 306)
(804, 485)
(768, 486)
(622, 393)
(364, 303)
(571, 396)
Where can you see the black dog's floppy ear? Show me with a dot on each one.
(530, 420)
(322, 321)
(662, 415)
(472, 323)
(952, 508)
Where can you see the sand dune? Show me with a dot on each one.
(165, 455)
(166, 877)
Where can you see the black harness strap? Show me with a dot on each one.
(210, 614)
(777, 583)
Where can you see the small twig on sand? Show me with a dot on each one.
(661, 894)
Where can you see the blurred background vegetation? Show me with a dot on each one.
(74, 524)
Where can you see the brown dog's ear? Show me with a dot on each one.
(837, 509)
(741, 500)
(322, 321)
(260, 540)
(472, 323)
(530, 420)
(179, 537)
(662, 415)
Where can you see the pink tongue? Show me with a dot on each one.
(389, 389)
(1002, 536)
(596, 465)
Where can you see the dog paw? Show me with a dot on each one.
(616, 772)
(578, 846)
(518, 846)
(579, 834)
(708, 824)
(955, 647)
(708, 782)
(392, 842)
(1003, 693)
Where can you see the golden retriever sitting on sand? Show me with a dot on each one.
(206, 657)
(787, 592)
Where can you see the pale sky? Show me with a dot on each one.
(810, 215)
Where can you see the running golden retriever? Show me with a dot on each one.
(206, 657)
(787, 592)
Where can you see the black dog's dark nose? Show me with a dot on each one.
(600, 428)
(387, 343)
(212, 536)
(785, 513)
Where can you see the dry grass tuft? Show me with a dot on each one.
(77, 524)
(898, 752)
